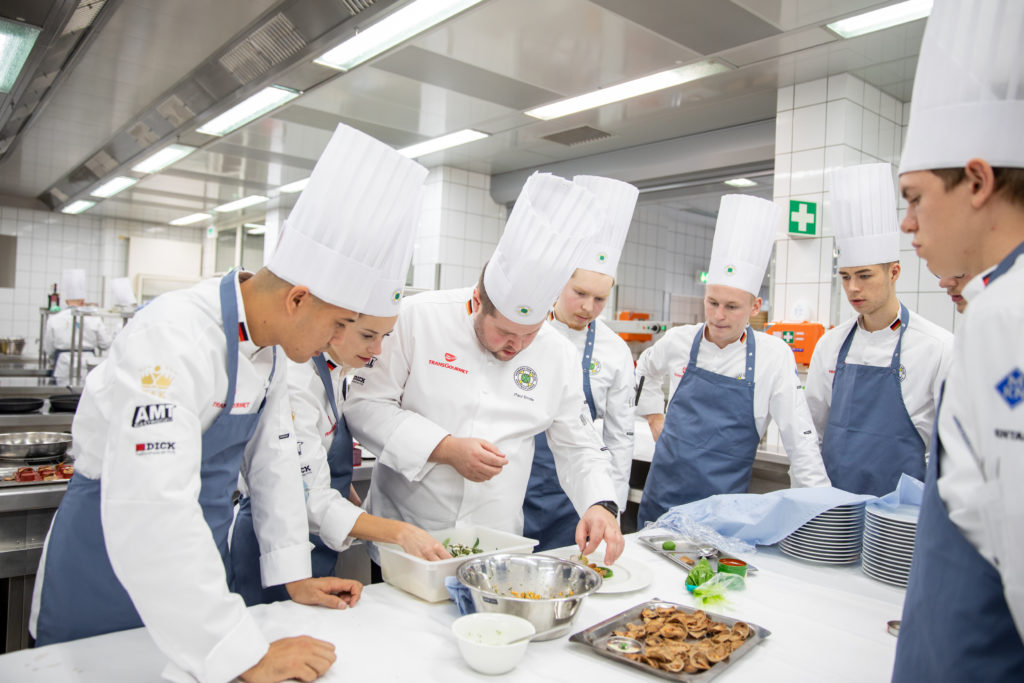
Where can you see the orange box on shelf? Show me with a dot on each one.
(801, 337)
(633, 336)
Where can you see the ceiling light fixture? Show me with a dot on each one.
(455, 139)
(740, 182)
(247, 110)
(78, 206)
(16, 41)
(885, 17)
(297, 186)
(624, 91)
(240, 204)
(190, 219)
(113, 186)
(164, 158)
(254, 228)
(392, 30)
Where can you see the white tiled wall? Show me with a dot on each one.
(50, 242)
(459, 228)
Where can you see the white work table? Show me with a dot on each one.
(828, 623)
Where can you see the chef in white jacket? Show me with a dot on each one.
(194, 393)
(471, 375)
(726, 381)
(607, 365)
(874, 380)
(317, 388)
(57, 336)
(962, 175)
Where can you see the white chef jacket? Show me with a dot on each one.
(173, 354)
(611, 383)
(57, 337)
(925, 355)
(331, 515)
(777, 392)
(981, 425)
(434, 378)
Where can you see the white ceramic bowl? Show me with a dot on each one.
(482, 637)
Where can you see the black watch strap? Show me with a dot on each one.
(611, 506)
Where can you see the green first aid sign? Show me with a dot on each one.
(803, 218)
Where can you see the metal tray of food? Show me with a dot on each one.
(696, 655)
(686, 553)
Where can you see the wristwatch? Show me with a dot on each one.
(610, 506)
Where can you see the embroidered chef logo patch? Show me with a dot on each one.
(524, 311)
(525, 377)
(1011, 387)
(154, 447)
(595, 367)
(157, 381)
(902, 373)
(602, 257)
(152, 414)
(396, 296)
(449, 358)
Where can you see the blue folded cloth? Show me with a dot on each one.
(460, 595)
(762, 519)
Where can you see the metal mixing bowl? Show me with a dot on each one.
(564, 584)
(34, 444)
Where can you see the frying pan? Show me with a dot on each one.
(33, 445)
(64, 403)
(15, 405)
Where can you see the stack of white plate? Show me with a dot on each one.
(833, 537)
(889, 542)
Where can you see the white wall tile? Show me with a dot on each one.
(783, 173)
(809, 127)
(887, 107)
(872, 98)
(910, 273)
(803, 261)
(936, 307)
(806, 173)
(869, 131)
(783, 132)
(785, 99)
(813, 92)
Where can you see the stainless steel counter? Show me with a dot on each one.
(38, 387)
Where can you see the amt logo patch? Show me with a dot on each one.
(1011, 388)
(152, 414)
(525, 377)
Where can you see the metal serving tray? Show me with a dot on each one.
(597, 636)
(687, 548)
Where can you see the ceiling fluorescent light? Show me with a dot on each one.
(879, 19)
(297, 186)
(190, 219)
(113, 186)
(740, 182)
(240, 204)
(444, 142)
(392, 30)
(78, 206)
(164, 158)
(248, 110)
(624, 91)
(254, 228)
(16, 41)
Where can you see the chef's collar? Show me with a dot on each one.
(245, 344)
(977, 284)
(894, 326)
(705, 338)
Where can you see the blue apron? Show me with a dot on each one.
(956, 623)
(548, 514)
(709, 440)
(245, 549)
(870, 439)
(82, 596)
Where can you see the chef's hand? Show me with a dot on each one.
(418, 542)
(353, 497)
(475, 459)
(304, 658)
(656, 421)
(329, 591)
(596, 525)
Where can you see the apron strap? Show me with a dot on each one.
(750, 359)
(588, 354)
(894, 364)
(229, 316)
(325, 377)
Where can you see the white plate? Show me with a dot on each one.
(627, 574)
(808, 558)
(889, 538)
(902, 514)
(836, 536)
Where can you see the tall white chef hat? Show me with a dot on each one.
(744, 235)
(549, 227)
(968, 99)
(349, 237)
(72, 284)
(121, 291)
(617, 199)
(863, 209)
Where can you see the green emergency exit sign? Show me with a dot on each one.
(803, 218)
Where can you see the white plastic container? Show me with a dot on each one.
(425, 579)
